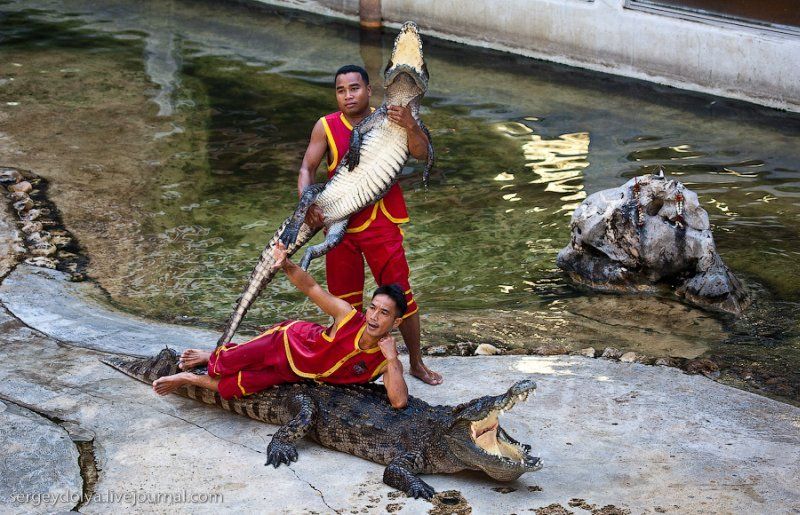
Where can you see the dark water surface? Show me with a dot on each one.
(520, 144)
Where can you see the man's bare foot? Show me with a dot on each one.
(425, 374)
(168, 384)
(193, 358)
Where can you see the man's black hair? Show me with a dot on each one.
(350, 68)
(394, 292)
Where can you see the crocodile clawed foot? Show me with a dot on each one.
(420, 488)
(280, 452)
(352, 160)
(306, 261)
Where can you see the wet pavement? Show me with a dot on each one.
(641, 438)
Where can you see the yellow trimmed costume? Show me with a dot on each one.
(295, 350)
(373, 234)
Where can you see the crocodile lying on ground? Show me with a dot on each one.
(378, 151)
(358, 420)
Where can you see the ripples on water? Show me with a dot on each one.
(519, 145)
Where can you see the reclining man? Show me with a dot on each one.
(355, 348)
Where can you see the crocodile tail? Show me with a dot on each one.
(147, 370)
(248, 406)
(260, 277)
(208, 397)
(165, 363)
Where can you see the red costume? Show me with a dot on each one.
(295, 350)
(372, 233)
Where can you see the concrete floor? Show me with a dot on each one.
(640, 438)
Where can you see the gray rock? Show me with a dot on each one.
(649, 233)
(9, 175)
(37, 238)
(436, 350)
(42, 261)
(486, 349)
(10, 242)
(628, 357)
(23, 205)
(703, 366)
(517, 351)
(43, 249)
(31, 215)
(611, 353)
(550, 349)
(665, 362)
(465, 348)
(589, 352)
(23, 186)
(18, 195)
(60, 240)
(31, 227)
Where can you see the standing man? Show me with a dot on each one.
(372, 233)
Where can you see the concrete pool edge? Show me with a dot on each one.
(611, 37)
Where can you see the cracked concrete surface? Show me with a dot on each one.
(38, 454)
(646, 438)
(9, 240)
(649, 439)
(144, 443)
(78, 315)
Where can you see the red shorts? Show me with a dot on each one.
(251, 367)
(382, 245)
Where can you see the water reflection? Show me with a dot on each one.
(559, 162)
(244, 91)
(665, 153)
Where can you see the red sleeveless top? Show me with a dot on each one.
(392, 205)
(313, 354)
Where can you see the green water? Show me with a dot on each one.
(519, 144)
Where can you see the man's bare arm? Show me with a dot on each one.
(315, 153)
(302, 280)
(417, 139)
(396, 388)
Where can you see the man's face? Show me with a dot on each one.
(381, 316)
(352, 94)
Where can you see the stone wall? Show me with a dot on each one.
(706, 54)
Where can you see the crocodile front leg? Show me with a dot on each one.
(353, 156)
(308, 197)
(335, 234)
(282, 449)
(400, 474)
